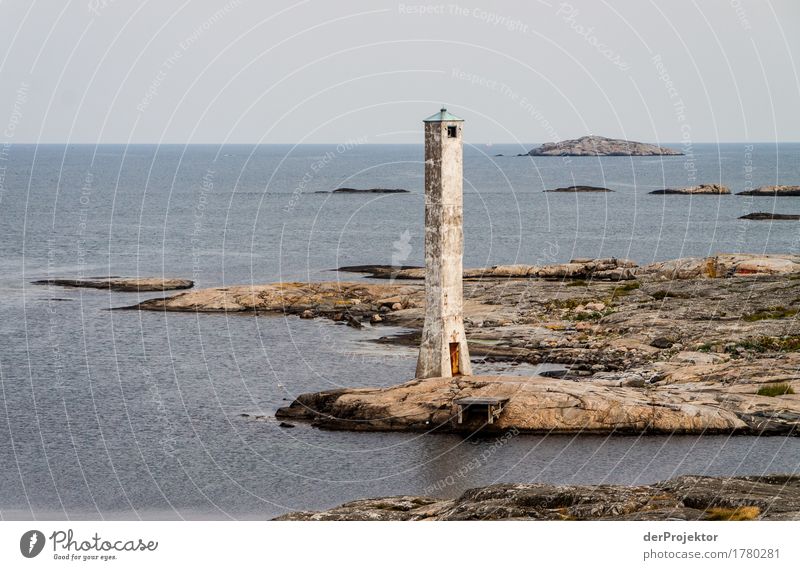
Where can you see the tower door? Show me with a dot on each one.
(455, 369)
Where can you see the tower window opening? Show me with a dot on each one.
(452, 132)
(455, 369)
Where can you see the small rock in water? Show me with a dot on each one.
(694, 190)
(307, 314)
(580, 189)
(285, 425)
(773, 191)
(376, 318)
(770, 216)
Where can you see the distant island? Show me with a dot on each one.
(601, 146)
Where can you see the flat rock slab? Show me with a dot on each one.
(124, 284)
(332, 299)
(770, 497)
(543, 405)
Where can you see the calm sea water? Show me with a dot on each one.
(126, 415)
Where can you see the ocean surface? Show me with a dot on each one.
(126, 415)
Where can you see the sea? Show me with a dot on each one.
(140, 415)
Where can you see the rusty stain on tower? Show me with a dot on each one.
(443, 350)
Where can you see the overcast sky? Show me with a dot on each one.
(267, 71)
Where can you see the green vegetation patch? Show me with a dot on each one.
(770, 313)
(768, 344)
(628, 287)
(568, 303)
(623, 291)
(775, 390)
(593, 316)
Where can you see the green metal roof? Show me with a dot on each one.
(441, 117)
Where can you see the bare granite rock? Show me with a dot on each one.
(601, 146)
(125, 284)
(773, 191)
(689, 497)
(701, 189)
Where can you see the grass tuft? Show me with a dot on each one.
(592, 316)
(661, 295)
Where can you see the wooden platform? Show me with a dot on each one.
(490, 406)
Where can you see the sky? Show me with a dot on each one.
(317, 71)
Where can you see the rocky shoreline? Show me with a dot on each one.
(699, 345)
(685, 498)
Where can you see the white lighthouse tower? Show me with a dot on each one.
(443, 350)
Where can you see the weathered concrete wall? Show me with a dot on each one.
(444, 247)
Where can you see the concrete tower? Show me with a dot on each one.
(443, 351)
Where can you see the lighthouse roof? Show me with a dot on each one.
(442, 116)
